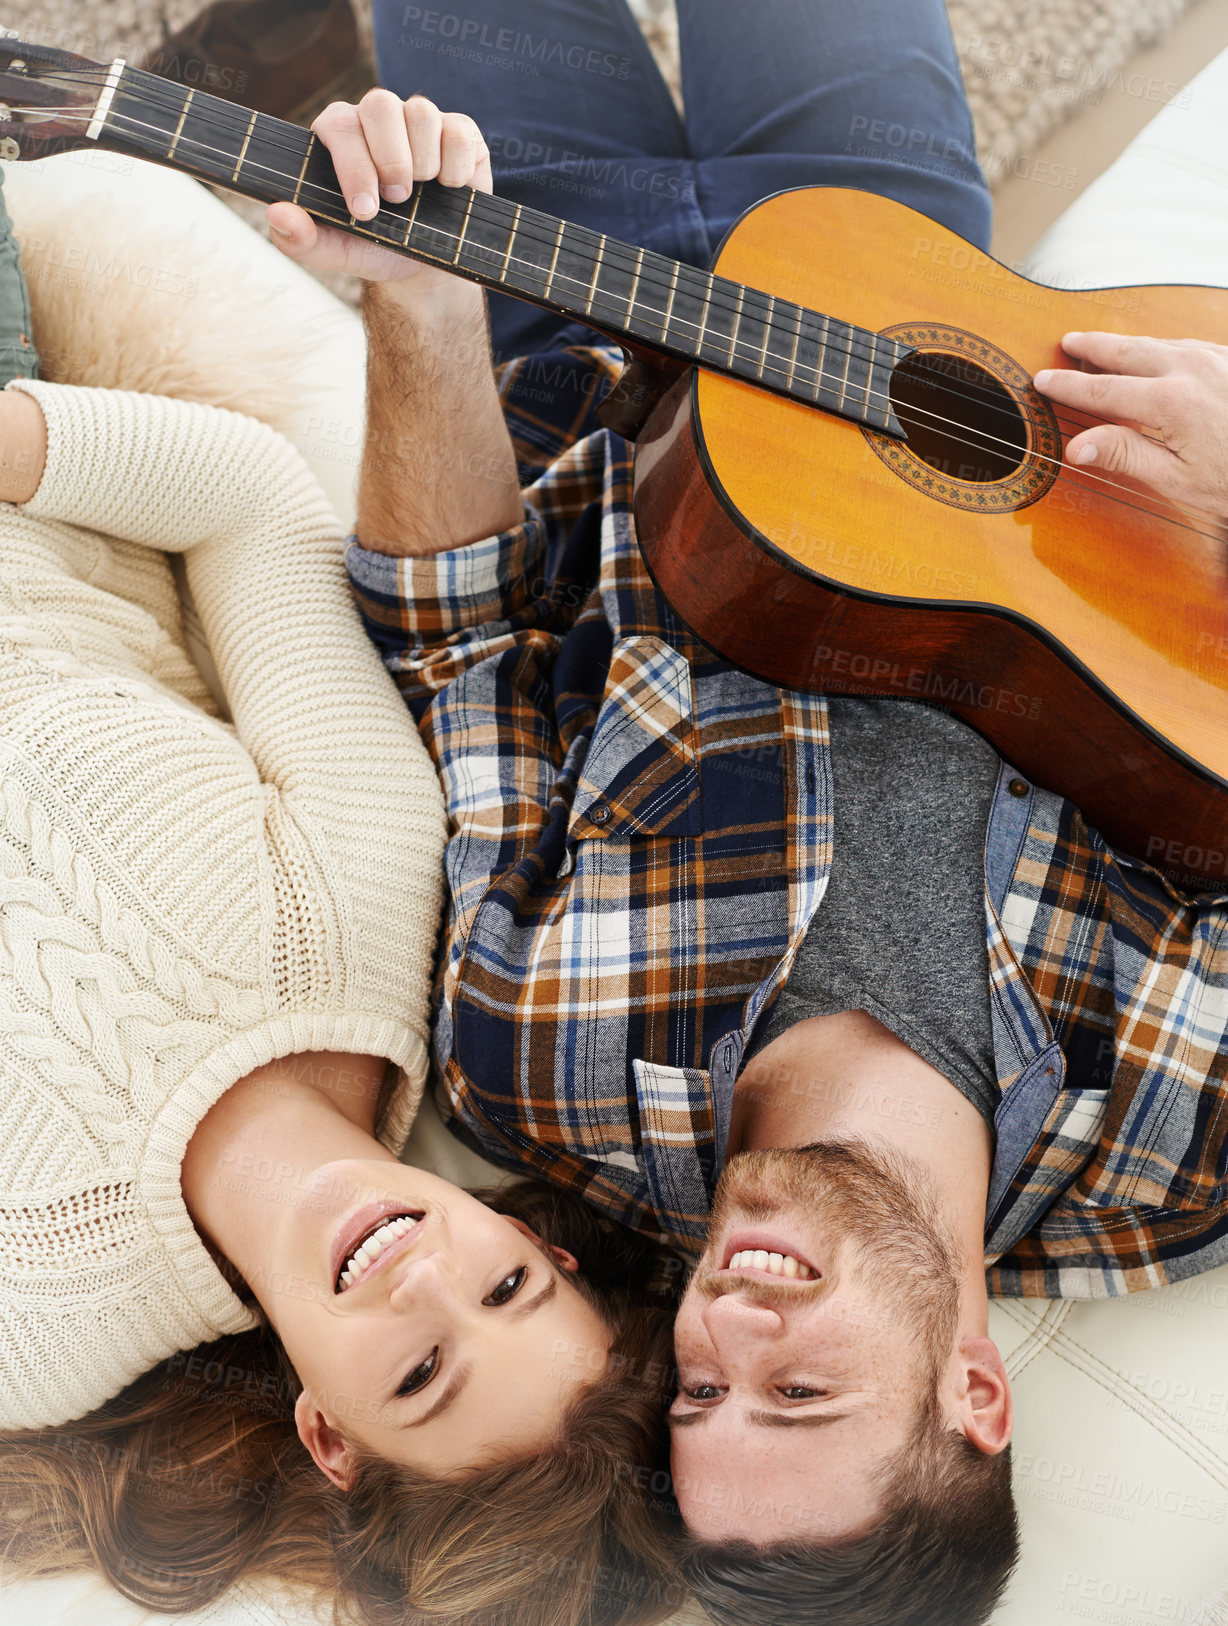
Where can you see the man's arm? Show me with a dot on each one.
(438, 469)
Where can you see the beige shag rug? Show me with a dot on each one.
(1028, 64)
(133, 335)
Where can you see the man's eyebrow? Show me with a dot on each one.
(461, 1376)
(763, 1419)
(785, 1419)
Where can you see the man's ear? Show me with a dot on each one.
(328, 1450)
(986, 1409)
(561, 1257)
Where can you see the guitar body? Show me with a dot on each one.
(1062, 614)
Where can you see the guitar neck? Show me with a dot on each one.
(640, 298)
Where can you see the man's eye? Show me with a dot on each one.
(508, 1287)
(797, 1392)
(421, 1374)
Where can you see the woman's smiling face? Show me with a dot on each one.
(456, 1340)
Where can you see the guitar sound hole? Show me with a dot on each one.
(958, 418)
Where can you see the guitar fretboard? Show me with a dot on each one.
(631, 293)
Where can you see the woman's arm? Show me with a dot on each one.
(346, 798)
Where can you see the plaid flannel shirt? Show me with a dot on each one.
(639, 837)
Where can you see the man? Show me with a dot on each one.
(829, 963)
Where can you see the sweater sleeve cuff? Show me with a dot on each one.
(155, 470)
(77, 430)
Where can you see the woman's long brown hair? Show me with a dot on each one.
(194, 1477)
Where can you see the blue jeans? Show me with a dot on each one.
(778, 94)
(18, 356)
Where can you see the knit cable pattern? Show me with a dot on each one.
(180, 899)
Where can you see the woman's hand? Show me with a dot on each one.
(380, 147)
(1175, 389)
(23, 446)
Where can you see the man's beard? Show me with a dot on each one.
(879, 1210)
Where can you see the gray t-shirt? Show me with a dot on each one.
(900, 932)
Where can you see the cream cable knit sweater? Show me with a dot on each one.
(180, 900)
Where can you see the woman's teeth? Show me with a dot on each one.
(780, 1264)
(374, 1245)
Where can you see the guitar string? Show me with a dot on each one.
(958, 432)
(224, 126)
(969, 389)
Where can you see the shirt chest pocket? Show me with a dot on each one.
(641, 773)
(677, 1150)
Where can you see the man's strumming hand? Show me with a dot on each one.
(1167, 400)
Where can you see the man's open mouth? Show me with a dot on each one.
(767, 1255)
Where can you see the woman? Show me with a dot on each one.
(215, 952)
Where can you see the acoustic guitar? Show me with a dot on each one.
(871, 501)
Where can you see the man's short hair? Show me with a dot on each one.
(941, 1556)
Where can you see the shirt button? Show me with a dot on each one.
(1018, 787)
(599, 813)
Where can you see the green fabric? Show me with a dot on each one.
(18, 356)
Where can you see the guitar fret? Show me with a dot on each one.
(866, 362)
(413, 215)
(635, 282)
(844, 375)
(885, 359)
(703, 319)
(507, 258)
(592, 287)
(554, 259)
(460, 241)
(179, 126)
(302, 172)
(767, 333)
(669, 304)
(820, 369)
(251, 125)
(737, 323)
(797, 337)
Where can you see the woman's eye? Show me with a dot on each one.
(702, 1391)
(798, 1392)
(508, 1287)
(420, 1375)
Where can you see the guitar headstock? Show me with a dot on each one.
(47, 99)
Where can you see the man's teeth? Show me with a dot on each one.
(780, 1264)
(374, 1246)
